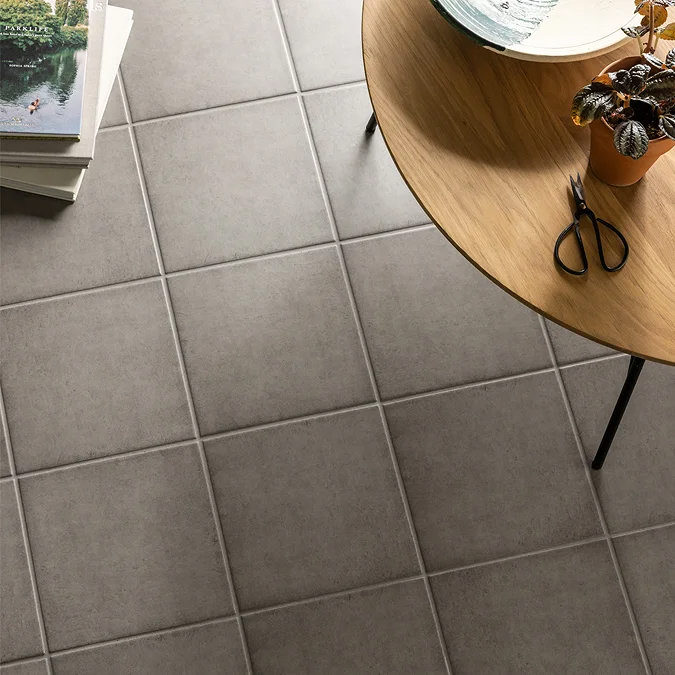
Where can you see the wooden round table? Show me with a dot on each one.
(487, 146)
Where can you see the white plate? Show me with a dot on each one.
(542, 30)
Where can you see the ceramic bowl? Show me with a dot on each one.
(542, 30)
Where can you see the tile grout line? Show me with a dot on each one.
(244, 104)
(329, 596)
(186, 384)
(362, 338)
(596, 500)
(518, 556)
(146, 634)
(640, 530)
(304, 418)
(26, 541)
(205, 268)
(105, 459)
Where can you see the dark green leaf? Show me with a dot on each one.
(661, 86)
(592, 102)
(667, 125)
(652, 60)
(635, 31)
(631, 140)
(631, 82)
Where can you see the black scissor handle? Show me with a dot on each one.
(561, 237)
(611, 227)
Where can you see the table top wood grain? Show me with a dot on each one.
(486, 145)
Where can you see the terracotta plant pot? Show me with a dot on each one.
(609, 165)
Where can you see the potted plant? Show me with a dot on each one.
(630, 105)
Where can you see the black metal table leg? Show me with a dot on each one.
(634, 369)
(372, 125)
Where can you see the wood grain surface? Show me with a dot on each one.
(486, 145)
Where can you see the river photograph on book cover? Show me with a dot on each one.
(43, 54)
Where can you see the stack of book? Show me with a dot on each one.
(58, 62)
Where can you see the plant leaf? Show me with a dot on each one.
(668, 33)
(667, 125)
(603, 79)
(661, 86)
(632, 81)
(630, 139)
(652, 60)
(660, 16)
(592, 102)
(637, 31)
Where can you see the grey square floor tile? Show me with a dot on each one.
(570, 347)
(492, 471)
(30, 668)
(310, 508)
(558, 612)
(325, 40)
(431, 320)
(269, 339)
(50, 246)
(207, 650)
(19, 629)
(124, 546)
(366, 191)
(636, 483)
(4, 456)
(114, 111)
(91, 375)
(232, 183)
(647, 561)
(214, 54)
(387, 630)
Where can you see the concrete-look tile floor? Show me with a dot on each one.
(258, 416)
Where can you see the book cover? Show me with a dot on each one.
(53, 87)
(64, 183)
(43, 56)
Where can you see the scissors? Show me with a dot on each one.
(581, 211)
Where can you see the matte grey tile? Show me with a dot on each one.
(385, 630)
(91, 375)
(636, 483)
(124, 546)
(555, 612)
(431, 320)
(492, 471)
(310, 508)
(114, 111)
(325, 40)
(570, 347)
(30, 668)
(253, 186)
(647, 561)
(216, 53)
(366, 192)
(4, 456)
(19, 629)
(50, 246)
(269, 339)
(207, 650)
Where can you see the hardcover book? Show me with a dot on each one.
(50, 60)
